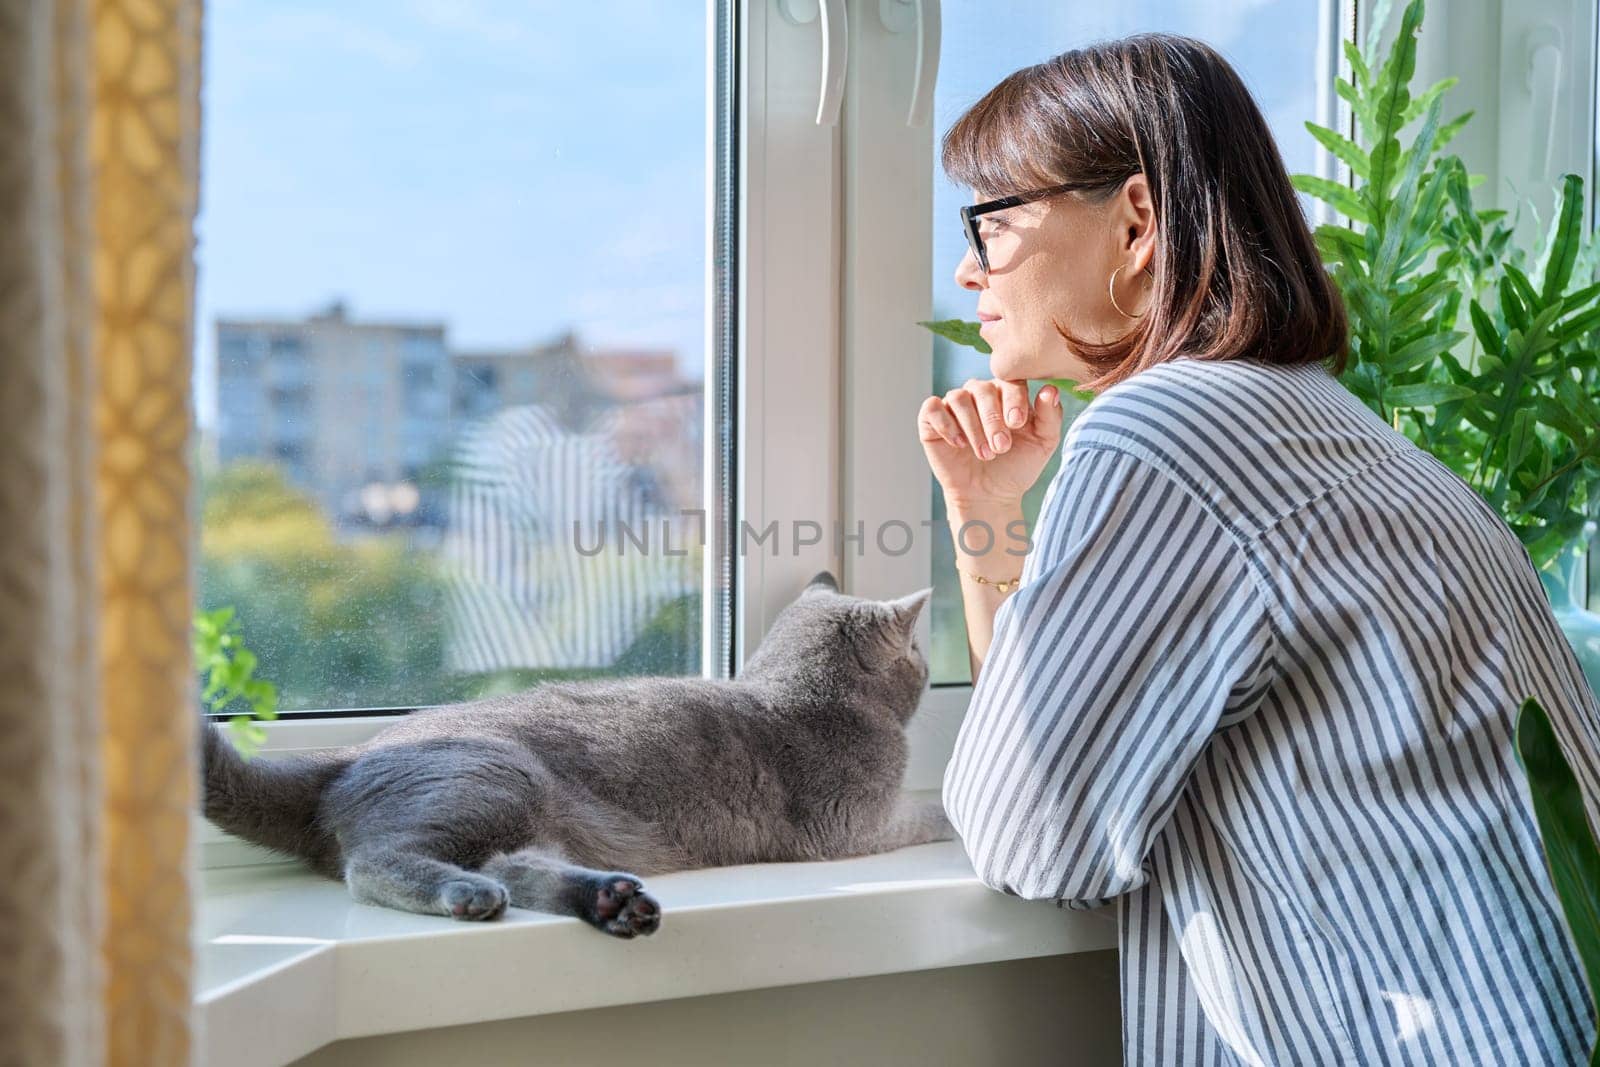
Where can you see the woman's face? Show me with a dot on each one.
(1052, 259)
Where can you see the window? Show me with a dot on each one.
(668, 267)
(452, 259)
(1278, 49)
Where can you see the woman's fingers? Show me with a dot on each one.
(964, 406)
(984, 412)
(937, 418)
(987, 396)
(1003, 406)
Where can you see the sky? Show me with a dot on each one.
(508, 169)
(512, 169)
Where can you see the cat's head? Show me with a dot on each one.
(868, 647)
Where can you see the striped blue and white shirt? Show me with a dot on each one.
(1257, 686)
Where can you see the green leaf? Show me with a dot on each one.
(1570, 393)
(1420, 352)
(1425, 394)
(1350, 95)
(1579, 297)
(227, 669)
(1337, 243)
(1448, 131)
(1461, 197)
(1342, 197)
(1358, 65)
(1411, 308)
(1521, 438)
(961, 332)
(1342, 148)
(1571, 855)
(1423, 231)
(1394, 97)
(1484, 327)
(1541, 329)
(1575, 327)
(247, 737)
(1554, 413)
(1511, 305)
(1479, 418)
(1420, 104)
(1565, 237)
(1400, 218)
(1067, 385)
(1526, 293)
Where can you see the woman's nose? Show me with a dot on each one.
(969, 275)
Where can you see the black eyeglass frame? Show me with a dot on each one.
(970, 213)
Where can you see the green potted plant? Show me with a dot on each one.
(1510, 399)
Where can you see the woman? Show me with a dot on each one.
(1257, 685)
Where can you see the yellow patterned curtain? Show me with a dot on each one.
(98, 161)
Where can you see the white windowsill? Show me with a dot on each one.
(288, 962)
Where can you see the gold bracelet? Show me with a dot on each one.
(1004, 587)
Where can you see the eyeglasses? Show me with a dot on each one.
(970, 213)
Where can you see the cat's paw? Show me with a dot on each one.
(618, 905)
(478, 900)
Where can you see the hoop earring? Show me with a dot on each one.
(1111, 291)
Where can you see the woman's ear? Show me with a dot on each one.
(1136, 218)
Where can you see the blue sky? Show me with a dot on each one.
(508, 168)
(512, 169)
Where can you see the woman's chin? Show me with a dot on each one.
(1006, 364)
(1002, 366)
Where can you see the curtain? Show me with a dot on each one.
(99, 117)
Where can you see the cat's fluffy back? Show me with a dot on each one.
(812, 729)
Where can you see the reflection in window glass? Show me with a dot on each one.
(1273, 45)
(450, 345)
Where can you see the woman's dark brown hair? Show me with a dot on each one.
(1236, 271)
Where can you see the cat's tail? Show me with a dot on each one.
(272, 802)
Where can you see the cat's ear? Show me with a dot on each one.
(907, 608)
(821, 582)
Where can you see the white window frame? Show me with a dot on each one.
(835, 257)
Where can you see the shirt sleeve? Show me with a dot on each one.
(1137, 633)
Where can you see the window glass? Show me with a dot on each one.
(450, 339)
(1273, 45)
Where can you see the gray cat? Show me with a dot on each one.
(558, 798)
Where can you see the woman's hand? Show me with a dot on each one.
(978, 454)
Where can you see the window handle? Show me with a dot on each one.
(835, 49)
(922, 16)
